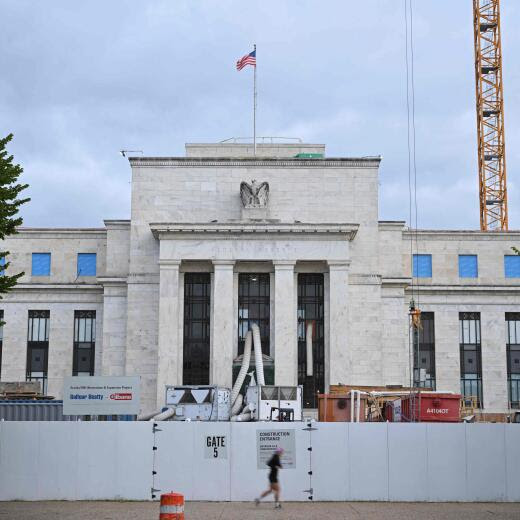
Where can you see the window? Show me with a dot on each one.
(1, 339)
(38, 347)
(468, 266)
(84, 343)
(41, 264)
(254, 307)
(513, 357)
(512, 266)
(424, 352)
(470, 356)
(2, 265)
(422, 266)
(86, 264)
(197, 287)
(311, 314)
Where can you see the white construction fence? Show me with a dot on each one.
(226, 461)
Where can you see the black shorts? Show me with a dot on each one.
(273, 479)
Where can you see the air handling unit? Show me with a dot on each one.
(275, 403)
(198, 403)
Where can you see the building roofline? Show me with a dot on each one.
(462, 232)
(334, 162)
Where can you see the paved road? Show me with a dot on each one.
(246, 511)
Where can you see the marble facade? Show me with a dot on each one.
(321, 216)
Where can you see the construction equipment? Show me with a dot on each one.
(198, 403)
(275, 403)
(490, 116)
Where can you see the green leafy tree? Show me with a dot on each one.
(516, 250)
(10, 203)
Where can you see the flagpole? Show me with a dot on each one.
(254, 106)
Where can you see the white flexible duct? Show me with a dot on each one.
(243, 417)
(308, 339)
(246, 358)
(259, 363)
(163, 416)
(148, 416)
(237, 406)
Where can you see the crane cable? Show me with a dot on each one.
(412, 168)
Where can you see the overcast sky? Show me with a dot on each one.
(81, 80)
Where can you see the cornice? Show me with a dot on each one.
(364, 279)
(396, 282)
(432, 234)
(57, 287)
(340, 162)
(467, 289)
(221, 229)
(58, 233)
(112, 281)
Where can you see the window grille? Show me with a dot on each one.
(84, 343)
(197, 287)
(424, 351)
(38, 347)
(254, 306)
(513, 357)
(311, 311)
(1, 339)
(470, 356)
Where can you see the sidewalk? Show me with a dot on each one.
(246, 511)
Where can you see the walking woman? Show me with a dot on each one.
(274, 486)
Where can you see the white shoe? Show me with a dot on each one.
(278, 506)
(257, 501)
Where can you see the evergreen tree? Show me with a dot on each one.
(10, 189)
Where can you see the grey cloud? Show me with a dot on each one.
(86, 79)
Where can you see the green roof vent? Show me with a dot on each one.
(309, 156)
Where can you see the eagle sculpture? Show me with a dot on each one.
(254, 195)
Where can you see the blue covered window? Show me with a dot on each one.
(422, 266)
(512, 266)
(468, 266)
(41, 264)
(2, 264)
(86, 264)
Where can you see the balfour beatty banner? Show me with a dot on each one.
(100, 395)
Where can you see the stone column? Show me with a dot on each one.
(285, 325)
(169, 355)
(339, 356)
(447, 349)
(494, 361)
(114, 327)
(222, 324)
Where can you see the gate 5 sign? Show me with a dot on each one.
(215, 447)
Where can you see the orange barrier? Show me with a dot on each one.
(172, 506)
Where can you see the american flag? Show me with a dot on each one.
(248, 59)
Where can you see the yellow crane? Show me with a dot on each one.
(490, 116)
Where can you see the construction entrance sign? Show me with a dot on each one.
(267, 441)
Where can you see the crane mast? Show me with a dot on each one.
(490, 116)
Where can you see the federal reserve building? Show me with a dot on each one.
(287, 239)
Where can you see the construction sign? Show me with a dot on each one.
(268, 440)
